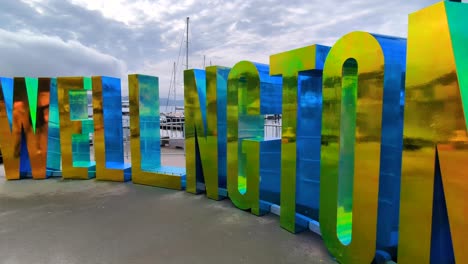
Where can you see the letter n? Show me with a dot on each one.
(434, 186)
(205, 130)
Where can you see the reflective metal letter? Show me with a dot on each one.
(108, 130)
(251, 94)
(23, 118)
(434, 188)
(205, 130)
(301, 70)
(145, 136)
(54, 157)
(361, 71)
(75, 127)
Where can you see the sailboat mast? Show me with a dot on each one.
(186, 55)
(175, 70)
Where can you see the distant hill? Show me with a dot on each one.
(162, 101)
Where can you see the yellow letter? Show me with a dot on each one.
(435, 133)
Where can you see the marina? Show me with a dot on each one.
(172, 127)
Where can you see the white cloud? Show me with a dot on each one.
(136, 13)
(144, 36)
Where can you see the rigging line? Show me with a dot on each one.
(187, 45)
(190, 34)
(180, 47)
(173, 74)
(179, 63)
(180, 66)
(169, 92)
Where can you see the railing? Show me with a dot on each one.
(272, 131)
(173, 134)
(173, 130)
(273, 127)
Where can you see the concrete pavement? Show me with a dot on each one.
(57, 221)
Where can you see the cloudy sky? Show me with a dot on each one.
(120, 37)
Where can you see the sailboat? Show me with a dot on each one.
(178, 114)
(172, 120)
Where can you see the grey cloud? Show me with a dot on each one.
(273, 26)
(224, 31)
(25, 54)
(70, 22)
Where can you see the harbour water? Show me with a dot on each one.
(173, 125)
